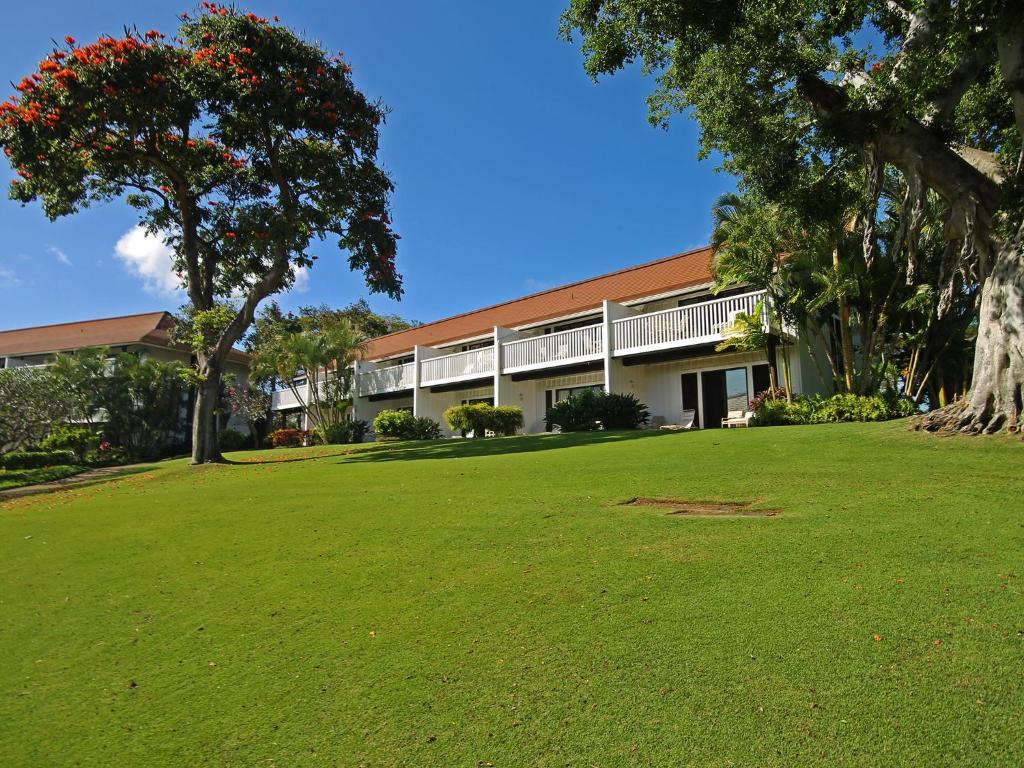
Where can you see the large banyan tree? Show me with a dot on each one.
(794, 93)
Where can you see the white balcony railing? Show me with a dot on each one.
(461, 366)
(284, 399)
(565, 347)
(392, 378)
(683, 326)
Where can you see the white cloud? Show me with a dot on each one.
(533, 285)
(8, 279)
(148, 258)
(301, 284)
(61, 256)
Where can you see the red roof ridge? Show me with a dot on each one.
(613, 273)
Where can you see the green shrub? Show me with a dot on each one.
(402, 425)
(460, 419)
(288, 438)
(343, 432)
(850, 407)
(68, 437)
(423, 428)
(826, 410)
(233, 440)
(394, 424)
(481, 417)
(506, 419)
(37, 459)
(107, 456)
(774, 413)
(621, 411)
(589, 410)
(577, 413)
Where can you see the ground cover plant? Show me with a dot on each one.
(475, 602)
(16, 478)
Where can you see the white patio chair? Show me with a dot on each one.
(738, 419)
(689, 416)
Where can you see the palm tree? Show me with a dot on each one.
(323, 354)
(749, 242)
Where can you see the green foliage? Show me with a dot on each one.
(237, 139)
(590, 410)
(479, 418)
(617, 410)
(18, 478)
(577, 413)
(16, 460)
(423, 428)
(317, 347)
(393, 423)
(233, 440)
(201, 329)
(343, 432)
(506, 420)
(32, 400)
(402, 425)
(837, 408)
(69, 437)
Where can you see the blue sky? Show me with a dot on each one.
(513, 171)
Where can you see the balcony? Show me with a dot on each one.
(393, 378)
(578, 345)
(687, 326)
(284, 399)
(461, 366)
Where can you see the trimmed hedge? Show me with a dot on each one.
(478, 418)
(37, 459)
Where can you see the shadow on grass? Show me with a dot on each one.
(495, 446)
(304, 457)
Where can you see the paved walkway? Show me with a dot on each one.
(83, 478)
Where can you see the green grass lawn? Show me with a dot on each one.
(16, 478)
(489, 603)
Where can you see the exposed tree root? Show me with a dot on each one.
(960, 418)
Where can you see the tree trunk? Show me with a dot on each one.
(845, 338)
(204, 429)
(997, 391)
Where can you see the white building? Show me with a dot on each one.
(650, 330)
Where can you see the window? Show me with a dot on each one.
(736, 396)
(478, 345)
(477, 400)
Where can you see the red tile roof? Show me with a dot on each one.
(683, 270)
(152, 328)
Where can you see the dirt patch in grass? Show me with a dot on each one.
(702, 508)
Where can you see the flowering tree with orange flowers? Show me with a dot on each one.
(236, 140)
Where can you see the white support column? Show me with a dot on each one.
(420, 405)
(701, 418)
(613, 378)
(501, 388)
